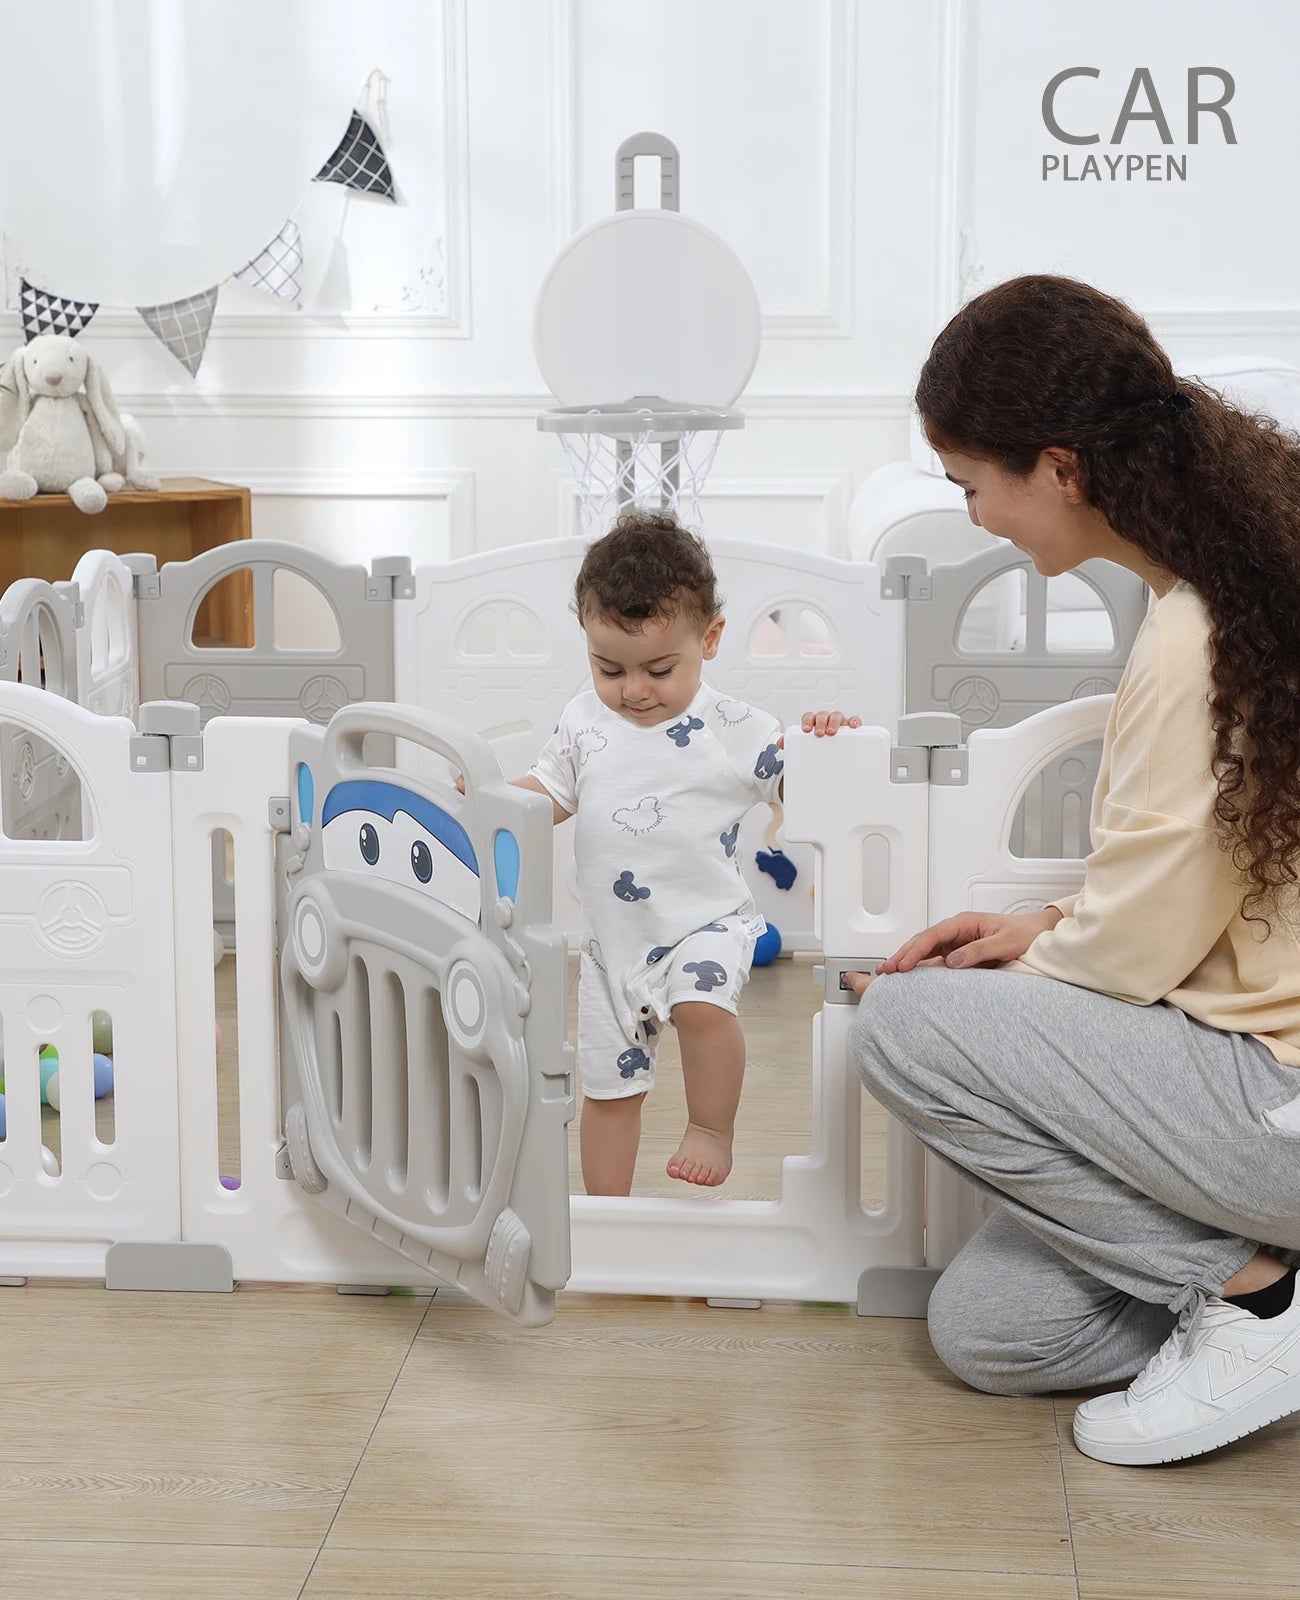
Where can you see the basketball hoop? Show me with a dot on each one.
(644, 303)
(644, 452)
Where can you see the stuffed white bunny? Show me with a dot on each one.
(59, 440)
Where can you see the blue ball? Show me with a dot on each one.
(768, 947)
(103, 1075)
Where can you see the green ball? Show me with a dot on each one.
(101, 1030)
(49, 1069)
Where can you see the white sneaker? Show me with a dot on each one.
(1220, 1374)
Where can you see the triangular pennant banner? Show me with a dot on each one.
(360, 162)
(183, 326)
(47, 313)
(276, 269)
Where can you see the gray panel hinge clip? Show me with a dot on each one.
(278, 813)
(390, 578)
(929, 749)
(169, 739)
(905, 578)
(146, 582)
(283, 1166)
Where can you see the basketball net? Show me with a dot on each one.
(652, 470)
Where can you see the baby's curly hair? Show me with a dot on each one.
(647, 566)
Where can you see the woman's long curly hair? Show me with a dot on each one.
(1205, 491)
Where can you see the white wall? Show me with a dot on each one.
(871, 161)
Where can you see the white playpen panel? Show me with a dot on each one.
(108, 655)
(38, 647)
(493, 641)
(86, 924)
(972, 869)
(273, 1231)
(814, 1242)
(805, 632)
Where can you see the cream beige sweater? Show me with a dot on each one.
(1159, 914)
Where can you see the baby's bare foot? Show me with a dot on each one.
(701, 1157)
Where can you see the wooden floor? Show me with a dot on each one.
(283, 1443)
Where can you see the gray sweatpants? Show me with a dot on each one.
(1127, 1148)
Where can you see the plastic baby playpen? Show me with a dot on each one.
(404, 1082)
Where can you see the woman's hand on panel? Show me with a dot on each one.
(970, 939)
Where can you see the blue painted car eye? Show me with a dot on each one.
(369, 843)
(421, 861)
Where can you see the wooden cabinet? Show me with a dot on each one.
(45, 537)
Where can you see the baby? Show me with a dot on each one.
(660, 769)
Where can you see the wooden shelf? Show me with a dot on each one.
(44, 537)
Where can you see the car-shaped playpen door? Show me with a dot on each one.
(425, 1075)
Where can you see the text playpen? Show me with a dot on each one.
(404, 1081)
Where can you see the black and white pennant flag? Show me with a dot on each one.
(278, 269)
(48, 313)
(360, 162)
(183, 326)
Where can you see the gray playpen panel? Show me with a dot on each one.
(40, 793)
(993, 689)
(425, 1074)
(265, 679)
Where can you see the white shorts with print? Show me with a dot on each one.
(710, 965)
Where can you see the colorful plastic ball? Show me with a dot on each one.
(49, 1073)
(768, 947)
(101, 1033)
(3, 1119)
(103, 1067)
(227, 1182)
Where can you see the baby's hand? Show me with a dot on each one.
(460, 782)
(822, 723)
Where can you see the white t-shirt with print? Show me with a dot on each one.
(658, 813)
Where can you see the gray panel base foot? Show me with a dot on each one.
(722, 1303)
(196, 1268)
(895, 1291)
(13, 1283)
(361, 1288)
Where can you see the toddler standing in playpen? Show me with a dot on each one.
(660, 769)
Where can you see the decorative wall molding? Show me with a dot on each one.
(961, 272)
(953, 239)
(457, 321)
(1282, 322)
(455, 486)
(454, 321)
(833, 319)
(561, 91)
(509, 407)
(294, 325)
